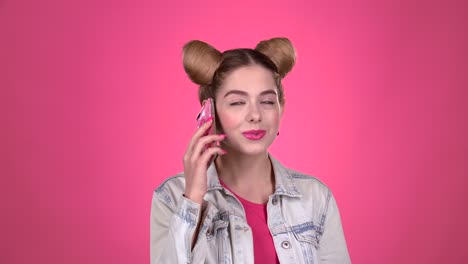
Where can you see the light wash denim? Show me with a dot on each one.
(303, 218)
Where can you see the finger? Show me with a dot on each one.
(207, 155)
(199, 133)
(202, 142)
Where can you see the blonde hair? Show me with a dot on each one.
(208, 67)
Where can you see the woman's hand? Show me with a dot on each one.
(196, 162)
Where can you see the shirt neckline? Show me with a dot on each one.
(242, 200)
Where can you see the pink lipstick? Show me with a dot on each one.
(254, 134)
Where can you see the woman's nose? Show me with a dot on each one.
(254, 114)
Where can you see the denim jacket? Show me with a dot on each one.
(303, 219)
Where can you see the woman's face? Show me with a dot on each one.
(248, 110)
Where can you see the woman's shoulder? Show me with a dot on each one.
(170, 191)
(173, 182)
(295, 177)
(307, 182)
(305, 177)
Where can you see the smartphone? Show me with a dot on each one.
(207, 111)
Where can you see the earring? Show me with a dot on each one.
(277, 134)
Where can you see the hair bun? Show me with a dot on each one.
(280, 51)
(200, 61)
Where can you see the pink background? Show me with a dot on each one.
(96, 111)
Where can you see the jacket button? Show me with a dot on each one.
(274, 201)
(286, 244)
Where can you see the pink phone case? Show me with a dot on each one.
(206, 112)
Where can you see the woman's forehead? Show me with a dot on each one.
(246, 92)
(251, 79)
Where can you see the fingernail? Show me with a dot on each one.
(209, 119)
(224, 151)
(223, 135)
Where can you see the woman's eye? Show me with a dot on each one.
(268, 102)
(237, 103)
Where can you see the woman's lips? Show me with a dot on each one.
(254, 134)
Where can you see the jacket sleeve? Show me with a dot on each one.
(173, 221)
(333, 247)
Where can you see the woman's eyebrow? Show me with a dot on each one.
(235, 92)
(270, 91)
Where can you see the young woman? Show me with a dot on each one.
(245, 207)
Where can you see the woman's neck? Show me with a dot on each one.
(251, 177)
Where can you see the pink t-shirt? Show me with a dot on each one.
(264, 249)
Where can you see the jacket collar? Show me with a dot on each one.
(283, 179)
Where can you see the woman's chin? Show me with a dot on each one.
(248, 149)
(253, 150)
